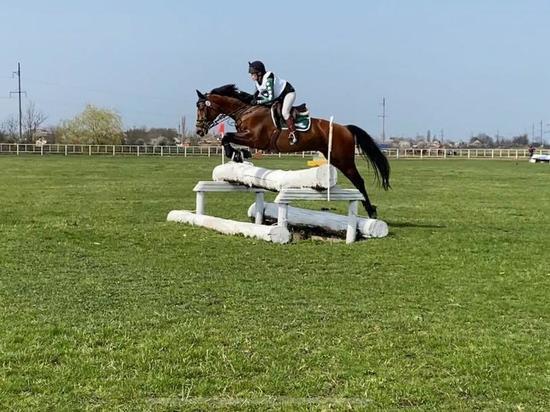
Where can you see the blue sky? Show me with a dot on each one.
(464, 67)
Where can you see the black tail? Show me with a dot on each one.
(372, 153)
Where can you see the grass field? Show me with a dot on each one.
(104, 305)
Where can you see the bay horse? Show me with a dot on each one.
(255, 129)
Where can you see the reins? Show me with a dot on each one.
(221, 117)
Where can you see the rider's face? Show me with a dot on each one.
(254, 76)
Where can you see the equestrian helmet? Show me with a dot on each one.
(256, 67)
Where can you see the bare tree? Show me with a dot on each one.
(32, 120)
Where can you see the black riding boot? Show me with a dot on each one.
(291, 131)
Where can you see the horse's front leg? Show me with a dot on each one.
(237, 138)
(226, 143)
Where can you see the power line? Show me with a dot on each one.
(108, 92)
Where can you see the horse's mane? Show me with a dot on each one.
(230, 90)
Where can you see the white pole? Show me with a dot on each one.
(328, 159)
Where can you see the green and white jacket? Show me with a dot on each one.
(270, 88)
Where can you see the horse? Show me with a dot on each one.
(256, 129)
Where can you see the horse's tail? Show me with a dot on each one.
(372, 153)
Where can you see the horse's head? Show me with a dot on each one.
(205, 114)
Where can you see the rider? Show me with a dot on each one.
(270, 89)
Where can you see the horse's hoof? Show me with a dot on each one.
(246, 153)
(237, 157)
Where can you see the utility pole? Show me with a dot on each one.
(383, 116)
(541, 135)
(19, 92)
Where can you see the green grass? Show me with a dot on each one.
(104, 305)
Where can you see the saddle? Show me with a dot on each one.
(299, 113)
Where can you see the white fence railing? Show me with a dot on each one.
(185, 151)
(120, 150)
(461, 153)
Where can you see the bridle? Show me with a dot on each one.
(207, 125)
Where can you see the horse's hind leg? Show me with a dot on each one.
(351, 172)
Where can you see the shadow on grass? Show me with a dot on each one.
(407, 224)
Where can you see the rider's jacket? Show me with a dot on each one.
(271, 88)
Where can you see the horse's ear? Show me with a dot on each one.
(201, 96)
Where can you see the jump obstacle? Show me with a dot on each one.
(310, 184)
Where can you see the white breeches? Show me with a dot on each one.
(288, 101)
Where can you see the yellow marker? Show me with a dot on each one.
(316, 162)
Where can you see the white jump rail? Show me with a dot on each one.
(330, 223)
(275, 234)
(275, 180)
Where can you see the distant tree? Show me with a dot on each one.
(136, 136)
(163, 136)
(10, 129)
(32, 120)
(521, 140)
(193, 139)
(155, 136)
(93, 126)
(484, 139)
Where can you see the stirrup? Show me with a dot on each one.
(292, 138)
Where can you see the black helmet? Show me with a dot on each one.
(256, 67)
